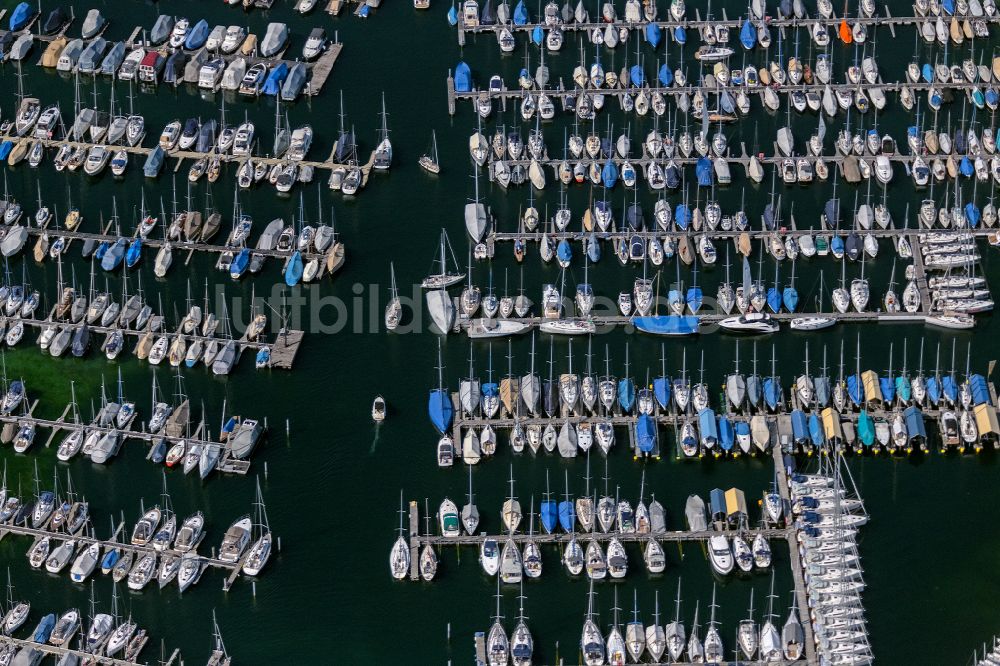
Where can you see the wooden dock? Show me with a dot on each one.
(798, 577)
(59, 652)
(323, 67)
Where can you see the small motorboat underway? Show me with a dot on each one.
(378, 409)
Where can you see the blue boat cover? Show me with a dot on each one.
(694, 299)
(949, 388)
(666, 75)
(966, 167)
(549, 512)
(772, 391)
(980, 393)
(636, 75)
(832, 212)
(134, 252)
(538, 35)
(837, 245)
(645, 430)
(914, 420)
(903, 388)
(520, 13)
(593, 248)
(972, 214)
(748, 35)
(272, 86)
(463, 77)
(564, 252)
(816, 431)
(452, 16)
(667, 325)
(888, 388)
(742, 429)
(653, 34)
(21, 15)
(703, 169)
(440, 409)
(725, 434)
(626, 394)
(567, 515)
(490, 390)
(293, 272)
(240, 263)
(774, 299)
(800, 427)
(5, 149)
(680, 35)
(790, 297)
(661, 391)
(609, 174)
(717, 502)
(707, 425)
(866, 429)
(682, 215)
(992, 97)
(948, 6)
(933, 390)
(855, 389)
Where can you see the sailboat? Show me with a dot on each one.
(430, 162)
(497, 644)
(260, 550)
(394, 309)
(470, 513)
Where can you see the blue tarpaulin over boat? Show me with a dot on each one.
(549, 512)
(742, 429)
(694, 299)
(708, 427)
(726, 435)
(949, 388)
(800, 428)
(452, 16)
(21, 15)
(978, 389)
(520, 13)
(661, 391)
(665, 75)
(667, 325)
(463, 77)
(680, 35)
(855, 389)
(490, 390)
(927, 72)
(567, 515)
(636, 75)
(609, 174)
(790, 297)
(653, 34)
(772, 391)
(888, 388)
(5, 149)
(538, 35)
(645, 430)
(748, 35)
(831, 210)
(703, 169)
(903, 389)
(440, 409)
(816, 431)
(717, 503)
(948, 6)
(564, 252)
(966, 167)
(933, 390)
(626, 394)
(866, 429)
(682, 216)
(914, 420)
(774, 299)
(972, 214)
(274, 80)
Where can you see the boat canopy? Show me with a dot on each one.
(855, 389)
(653, 34)
(275, 79)
(816, 431)
(717, 504)
(549, 512)
(538, 35)
(933, 390)
(567, 515)
(707, 425)
(520, 13)
(626, 394)
(609, 174)
(564, 251)
(736, 506)
(680, 35)
(748, 36)
(866, 428)
(772, 392)
(21, 15)
(645, 430)
(914, 420)
(463, 77)
(903, 388)
(682, 216)
(665, 75)
(888, 388)
(440, 409)
(831, 426)
(726, 435)
(972, 214)
(636, 75)
(986, 420)
(966, 168)
(980, 393)
(703, 169)
(661, 391)
(800, 428)
(949, 389)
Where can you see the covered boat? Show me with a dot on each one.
(274, 39)
(669, 325)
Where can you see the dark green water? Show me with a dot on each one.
(333, 484)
